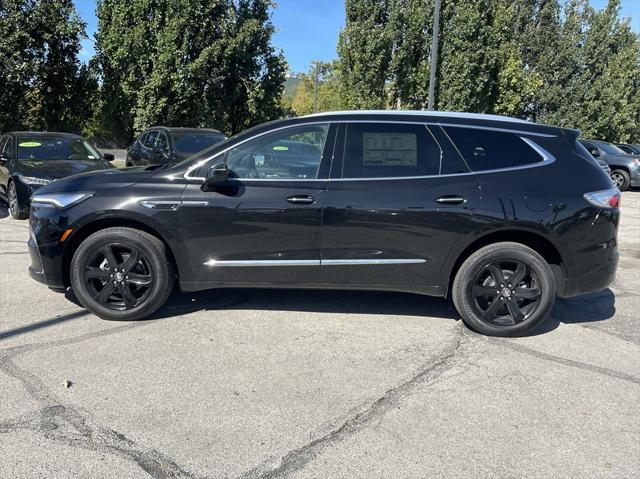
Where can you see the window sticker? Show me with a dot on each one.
(389, 149)
(280, 148)
(29, 144)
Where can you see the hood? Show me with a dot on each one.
(92, 181)
(55, 169)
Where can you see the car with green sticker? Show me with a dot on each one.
(29, 160)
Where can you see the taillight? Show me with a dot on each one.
(605, 198)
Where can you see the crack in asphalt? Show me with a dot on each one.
(566, 362)
(64, 424)
(298, 458)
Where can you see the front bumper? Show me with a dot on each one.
(45, 229)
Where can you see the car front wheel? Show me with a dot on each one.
(504, 289)
(15, 207)
(122, 274)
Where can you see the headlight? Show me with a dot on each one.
(636, 162)
(32, 180)
(60, 200)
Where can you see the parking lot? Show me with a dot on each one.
(265, 384)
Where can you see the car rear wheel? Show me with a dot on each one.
(504, 289)
(621, 179)
(122, 274)
(15, 208)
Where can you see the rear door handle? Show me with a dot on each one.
(451, 200)
(301, 199)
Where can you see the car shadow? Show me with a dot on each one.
(588, 308)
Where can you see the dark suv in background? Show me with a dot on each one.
(160, 145)
(474, 207)
(625, 167)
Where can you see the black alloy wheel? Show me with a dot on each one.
(118, 276)
(506, 292)
(122, 273)
(504, 289)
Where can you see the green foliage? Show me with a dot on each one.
(43, 84)
(549, 61)
(328, 94)
(197, 63)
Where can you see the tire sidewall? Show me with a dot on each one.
(625, 175)
(156, 262)
(463, 285)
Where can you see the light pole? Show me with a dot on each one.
(434, 55)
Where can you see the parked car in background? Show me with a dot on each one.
(30, 160)
(625, 168)
(629, 149)
(501, 214)
(159, 145)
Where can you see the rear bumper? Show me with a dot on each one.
(594, 280)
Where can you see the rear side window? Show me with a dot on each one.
(492, 150)
(376, 150)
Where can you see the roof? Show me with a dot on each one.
(178, 129)
(426, 113)
(43, 134)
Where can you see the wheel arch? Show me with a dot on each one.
(97, 224)
(533, 240)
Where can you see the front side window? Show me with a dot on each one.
(162, 143)
(293, 153)
(51, 148)
(492, 150)
(150, 139)
(8, 147)
(377, 150)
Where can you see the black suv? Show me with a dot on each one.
(474, 207)
(161, 145)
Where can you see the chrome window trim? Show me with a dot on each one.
(547, 158)
(312, 262)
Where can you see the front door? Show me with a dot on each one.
(395, 207)
(262, 225)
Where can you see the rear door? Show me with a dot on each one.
(263, 225)
(398, 199)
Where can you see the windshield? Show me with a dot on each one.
(611, 149)
(52, 148)
(189, 143)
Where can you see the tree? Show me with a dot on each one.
(190, 63)
(365, 48)
(328, 94)
(44, 85)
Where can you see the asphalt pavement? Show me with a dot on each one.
(316, 384)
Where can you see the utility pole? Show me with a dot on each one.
(315, 88)
(434, 55)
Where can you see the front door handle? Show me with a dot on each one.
(301, 199)
(451, 200)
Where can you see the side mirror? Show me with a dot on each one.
(109, 157)
(595, 152)
(217, 174)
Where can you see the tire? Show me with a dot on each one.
(139, 283)
(621, 179)
(17, 210)
(490, 309)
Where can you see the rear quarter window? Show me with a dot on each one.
(492, 150)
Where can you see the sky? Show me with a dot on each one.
(307, 30)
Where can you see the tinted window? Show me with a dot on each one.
(162, 142)
(611, 149)
(189, 143)
(7, 148)
(490, 150)
(375, 150)
(150, 139)
(142, 136)
(291, 153)
(51, 148)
